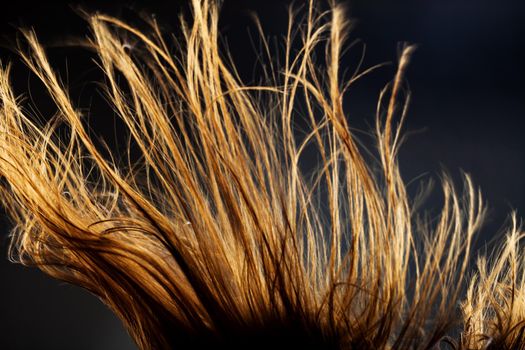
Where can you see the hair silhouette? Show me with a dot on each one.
(216, 235)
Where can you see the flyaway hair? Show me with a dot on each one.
(216, 235)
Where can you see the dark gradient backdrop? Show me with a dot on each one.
(468, 110)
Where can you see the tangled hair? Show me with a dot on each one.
(216, 235)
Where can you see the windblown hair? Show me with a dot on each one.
(216, 235)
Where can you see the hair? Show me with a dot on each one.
(216, 234)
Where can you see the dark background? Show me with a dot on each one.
(468, 109)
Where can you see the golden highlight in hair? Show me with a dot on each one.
(216, 235)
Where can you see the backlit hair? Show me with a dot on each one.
(216, 235)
